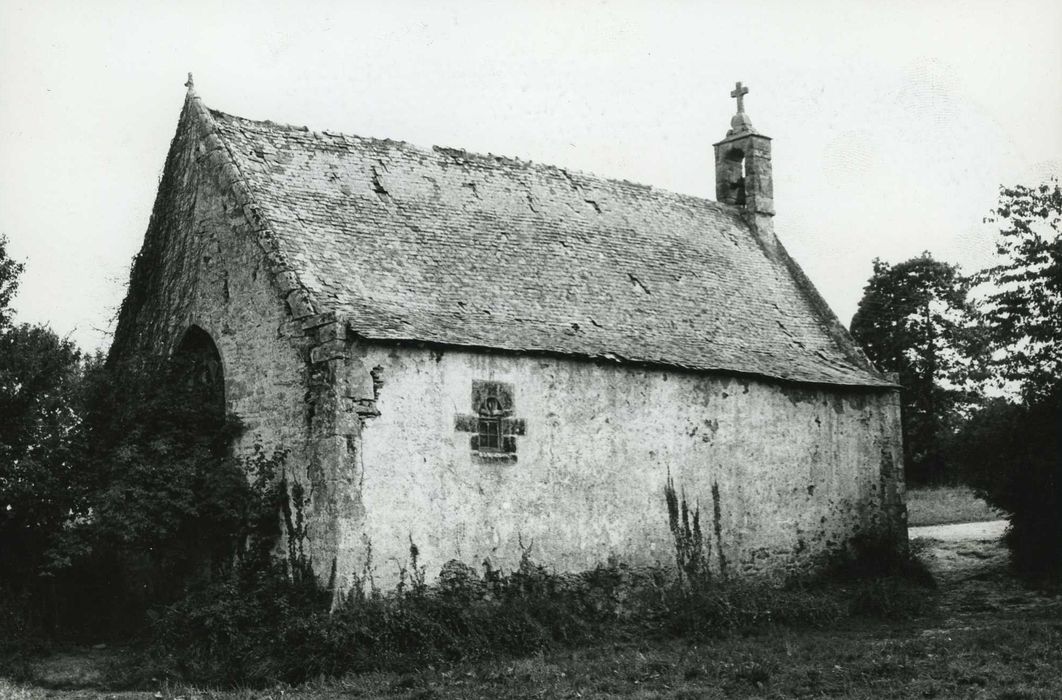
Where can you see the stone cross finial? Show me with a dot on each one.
(739, 92)
(191, 85)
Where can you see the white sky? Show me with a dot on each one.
(893, 122)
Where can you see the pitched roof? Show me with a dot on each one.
(449, 247)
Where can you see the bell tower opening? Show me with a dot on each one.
(735, 157)
(743, 163)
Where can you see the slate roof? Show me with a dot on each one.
(449, 247)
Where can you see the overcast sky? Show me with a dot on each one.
(894, 123)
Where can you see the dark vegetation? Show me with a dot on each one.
(134, 501)
(980, 361)
(1014, 451)
(123, 517)
(1013, 455)
(268, 620)
(197, 563)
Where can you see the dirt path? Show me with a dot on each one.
(971, 565)
(988, 532)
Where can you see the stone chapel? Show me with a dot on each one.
(481, 354)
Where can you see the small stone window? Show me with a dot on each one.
(494, 428)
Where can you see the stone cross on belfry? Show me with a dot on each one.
(739, 92)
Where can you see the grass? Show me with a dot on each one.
(993, 639)
(942, 505)
(842, 663)
(1014, 658)
(981, 634)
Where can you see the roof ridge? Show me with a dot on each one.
(516, 160)
(299, 298)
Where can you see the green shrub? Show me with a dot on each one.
(1013, 456)
(269, 620)
(143, 503)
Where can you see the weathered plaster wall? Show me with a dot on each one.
(792, 472)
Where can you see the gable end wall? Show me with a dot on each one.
(204, 263)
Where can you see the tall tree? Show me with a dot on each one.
(9, 272)
(41, 404)
(1023, 310)
(1013, 450)
(117, 494)
(40, 413)
(915, 319)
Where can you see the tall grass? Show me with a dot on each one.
(270, 621)
(942, 505)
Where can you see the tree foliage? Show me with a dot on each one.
(145, 502)
(41, 401)
(41, 405)
(1023, 312)
(1013, 450)
(167, 498)
(1012, 453)
(915, 319)
(116, 488)
(9, 273)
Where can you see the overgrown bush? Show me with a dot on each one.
(1014, 451)
(267, 626)
(1013, 454)
(142, 502)
(270, 621)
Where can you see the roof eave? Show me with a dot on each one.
(871, 383)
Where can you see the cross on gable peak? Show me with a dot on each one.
(740, 122)
(739, 92)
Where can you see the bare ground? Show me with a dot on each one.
(970, 563)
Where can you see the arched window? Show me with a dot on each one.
(196, 367)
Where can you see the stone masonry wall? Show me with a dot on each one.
(203, 264)
(782, 474)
